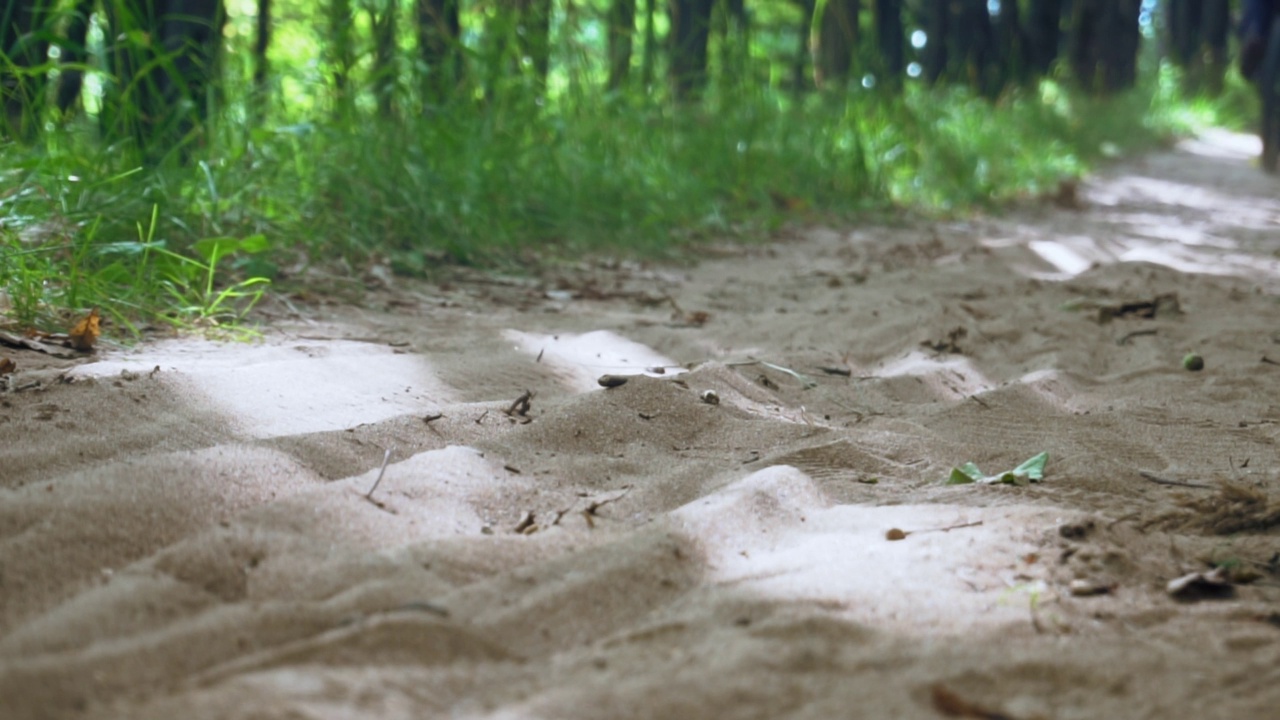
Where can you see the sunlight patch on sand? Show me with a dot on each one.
(954, 377)
(581, 359)
(770, 534)
(273, 390)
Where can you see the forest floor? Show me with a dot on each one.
(753, 525)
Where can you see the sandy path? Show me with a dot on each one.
(197, 541)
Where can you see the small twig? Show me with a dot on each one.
(980, 401)
(520, 406)
(1136, 333)
(1269, 361)
(386, 456)
(1178, 483)
(432, 417)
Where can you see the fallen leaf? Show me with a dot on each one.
(7, 366)
(85, 333)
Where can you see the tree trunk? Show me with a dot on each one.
(650, 59)
(439, 30)
(690, 29)
(24, 43)
(800, 78)
(340, 47)
(1011, 42)
(533, 36)
(163, 57)
(937, 15)
(1103, 44)
(1044, 33)
(890, 41)
(971, 44)
(835, 44)
(261, 68)
(622, 27)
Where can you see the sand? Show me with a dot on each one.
(187, 528)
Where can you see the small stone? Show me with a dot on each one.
(612, 381)
(1192, 362)
(710, 397)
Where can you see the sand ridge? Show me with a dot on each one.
(187, 528)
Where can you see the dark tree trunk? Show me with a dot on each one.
(164, 61)
(1216, 26)
(972, 47)
(74, 52)
(836, 43)
(439, 30)
(533, 36)
(1044, 33)
(690, 29)
(622, 28)
(340, 46)
(1196, 41)
(937, 15)
(800, 78)
(890, 40)
(261, 67)
(24, 42)
(1103, 44)
(1011, 41)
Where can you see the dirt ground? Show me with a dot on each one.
(753, 525)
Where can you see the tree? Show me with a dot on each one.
(621, 30)
(690, 31)
(836, 42)
(1044, 33)
(890, 41)
(1103, 44)
(24, 47)
(439, 30)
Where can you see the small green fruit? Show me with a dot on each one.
(1192, 362)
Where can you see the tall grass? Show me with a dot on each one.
(512, 180)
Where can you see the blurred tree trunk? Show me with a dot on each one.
(383, 19)
(261, 67)
(971, 45)
(24, 45)
(890, 41)
(650, 59)
(1103, 44)
(439, 29)
(1196, 38)
(340, 50)
(836, 43)
(622, 27)
(74, 52)
(533, 36)
(1044, 33)
(690, 30)
(934, 59)
(164, 58)
(1011, 43)
(800, 61)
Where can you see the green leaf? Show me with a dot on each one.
(1032, 470)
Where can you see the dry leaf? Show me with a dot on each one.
(85, 333)
(7, 366)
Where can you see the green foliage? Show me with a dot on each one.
(340, 166)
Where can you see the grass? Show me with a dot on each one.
(508, 184)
